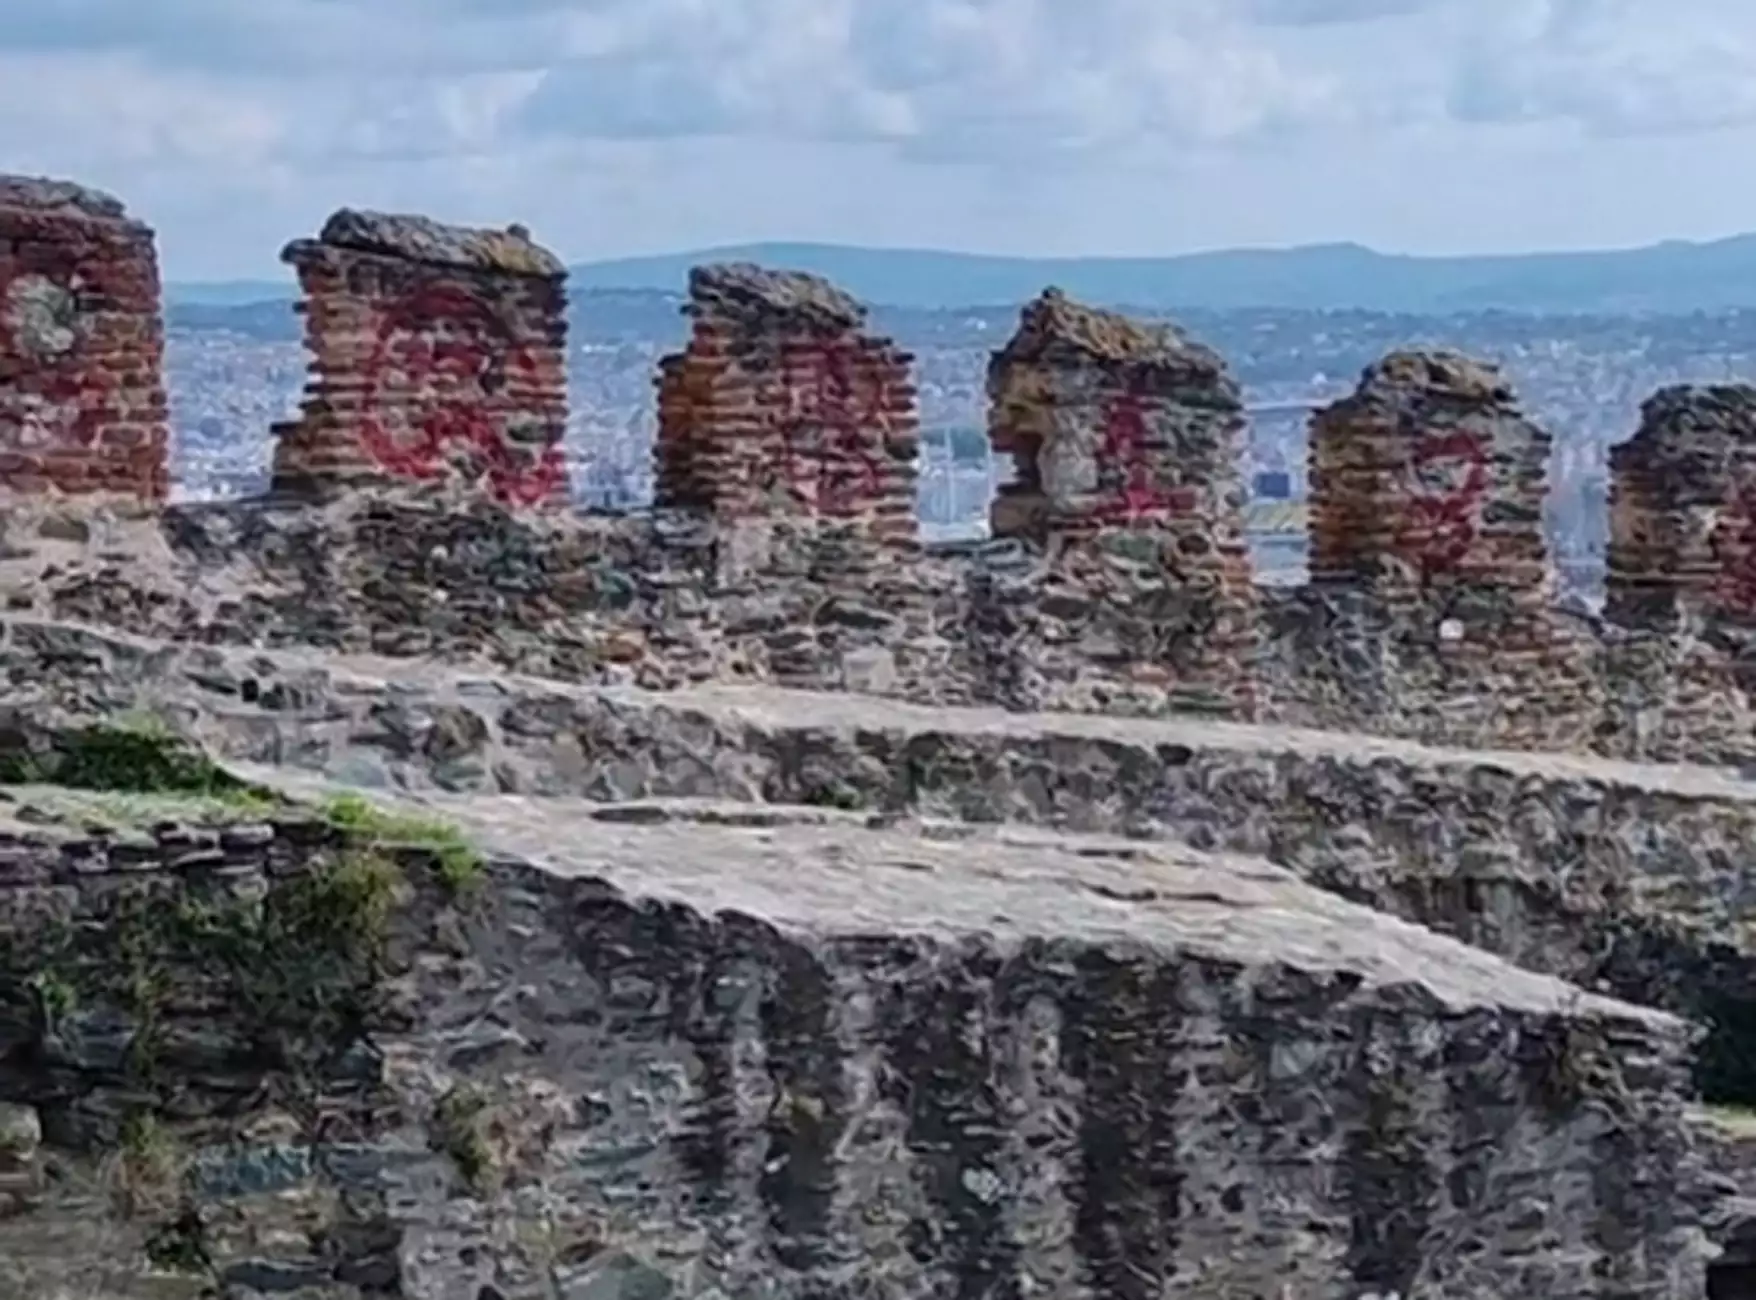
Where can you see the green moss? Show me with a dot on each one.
(300, 969)
(114, 810)
(304, 964)
(460, 1130)
(132, 754)
(54, 993)
(461, 867)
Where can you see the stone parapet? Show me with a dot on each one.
(782, 405)
(680, 597)
(438, 354)
(82, 399)
(1126, 440)
(1427, 493)
(1114, 422)
(1682, 545)
(1429, 476)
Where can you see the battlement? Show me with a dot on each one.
(794, 847)
(786, 549)
(782, 405)
(438, 352)
(82, 401)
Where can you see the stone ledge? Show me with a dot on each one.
(421, 239)
(58, 197)
(771, 298)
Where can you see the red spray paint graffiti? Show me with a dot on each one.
(455, 355)
(831, 432)
(1447, 482)
(1123, 452)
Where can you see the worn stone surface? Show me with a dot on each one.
(1624, 878)
(82, 400)
(781, 405)
(438, 353)
(662, 1053)
(422, 239)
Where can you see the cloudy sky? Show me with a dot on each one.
(1021, 126)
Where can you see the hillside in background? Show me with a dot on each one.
(1669, 277)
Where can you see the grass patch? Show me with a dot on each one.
(134, 754)
(461, 866)
(299, 969)
(1738, 1121)
(460, 1130)
(150, 1164)
(114, 811)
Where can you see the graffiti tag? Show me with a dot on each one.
(1123, 453)
(831, 431)
(452, 357)
(1447, 481)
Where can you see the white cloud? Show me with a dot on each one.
(1613, 67)
(261, 116)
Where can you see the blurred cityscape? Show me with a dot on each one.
(234, 370)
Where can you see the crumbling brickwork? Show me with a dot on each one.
(1115, 424)
(437, 352)
(1428, 476)
(1113, 421)
(782, 404)
(1427, 546)
(82, 399)
(1683, 510)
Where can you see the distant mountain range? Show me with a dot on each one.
(1668, 277)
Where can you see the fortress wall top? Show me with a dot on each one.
(782, 404)
(1127, 438)
(1112, 421)
(1428, 474)
(1427, 547)
(82, 399)
(1120, 583)
(437, 351)
(1683, 510)
(683, 597)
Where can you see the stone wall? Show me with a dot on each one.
(1127, 441)
(781, 405)
(637, 1050)
(437, 352)
(785, 550)
(82, 401)
(1620, 878)
(680, 597)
